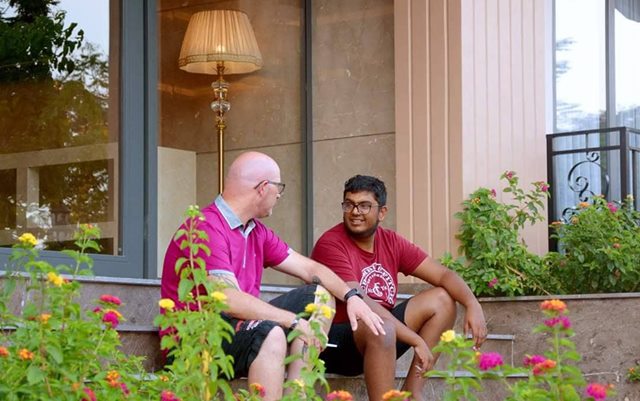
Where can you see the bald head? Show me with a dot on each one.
(248, 170)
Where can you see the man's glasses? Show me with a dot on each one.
(363, 207)
(280, 185)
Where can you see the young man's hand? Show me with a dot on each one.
(422, 357)
(474, 323)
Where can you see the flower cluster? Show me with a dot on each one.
(396, 395)
(633, 374)
(489, 360)
(339, 395)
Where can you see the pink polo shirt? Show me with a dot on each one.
(241, 251)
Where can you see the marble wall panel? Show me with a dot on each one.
(337, 160)
(353, 68)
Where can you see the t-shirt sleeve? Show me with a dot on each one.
(275, 249)
(332, 253)
(410, 255)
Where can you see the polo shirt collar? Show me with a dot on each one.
(232, 219)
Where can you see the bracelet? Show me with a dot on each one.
(294, 323)
(355, 291)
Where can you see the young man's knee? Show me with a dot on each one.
(444, 300)
(384, 341)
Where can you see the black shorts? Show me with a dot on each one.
(250, 334)
(345, 359)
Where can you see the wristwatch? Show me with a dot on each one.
(294, 323)
(355, 291)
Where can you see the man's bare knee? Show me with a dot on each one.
(444, 300)
(365, 338)
(274, 345)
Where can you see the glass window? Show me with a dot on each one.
(59, 118)
(265, 115)
(627, 63)
(580, 70)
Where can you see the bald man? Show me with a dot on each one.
(241, 247)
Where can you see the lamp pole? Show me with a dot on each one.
(220, 105)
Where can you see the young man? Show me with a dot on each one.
(369, 257)
(241, 247)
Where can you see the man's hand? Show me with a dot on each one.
(358, 309)
(307, 335)
(474, 322)
(422, 357)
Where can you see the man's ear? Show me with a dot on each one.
(382, 212)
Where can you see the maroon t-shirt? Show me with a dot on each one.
(377, 271)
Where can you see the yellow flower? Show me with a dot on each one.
(55, 279)
(164, 378)
(299, 382)
(44, 318)
(326, 311)
(28, 239)
(310, 308)
(448, 336)
(167, 304)
(219, 296)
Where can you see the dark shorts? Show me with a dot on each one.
(250, 334)
(345, 359)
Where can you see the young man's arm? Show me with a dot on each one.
(311, 271)
(437, 275)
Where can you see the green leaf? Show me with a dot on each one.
(34, 374)
(55, 353)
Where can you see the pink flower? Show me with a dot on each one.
(531, 360)
(562, 320)
(167, 395)
(90, 394)
(493, 193)
(493, 282)
(124, 388)
(111, 317)
(616, 245)
(509, 174)
(597, 391)
(489, 360)
(612, 207)
(542, 367)
(97, 309)
(111, 299)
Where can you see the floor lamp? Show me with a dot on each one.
(220, 42)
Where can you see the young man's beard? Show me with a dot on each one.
(363, 234)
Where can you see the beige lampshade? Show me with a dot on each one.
(219, 35)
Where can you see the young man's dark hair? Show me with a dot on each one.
(360, 183)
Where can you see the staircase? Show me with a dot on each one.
(139, 336)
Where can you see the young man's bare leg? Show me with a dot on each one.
(379, 359)
(428, 313)
(268, 367)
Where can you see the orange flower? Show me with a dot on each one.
(554, 305)
(396, 395)
(25, 354)
(44, 318)
(4, 352)
(258, 389)
(583, 205)
(339, 395)
(112, 378)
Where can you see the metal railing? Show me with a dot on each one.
(582, 164)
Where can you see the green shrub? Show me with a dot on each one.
(599, 248)
(495, 260)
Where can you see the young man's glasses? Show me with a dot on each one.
(280, 185)
(363, 207)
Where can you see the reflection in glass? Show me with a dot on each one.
(627, 63)
(58, 148)
(580, 65)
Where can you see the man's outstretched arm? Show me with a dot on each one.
(311, 271)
